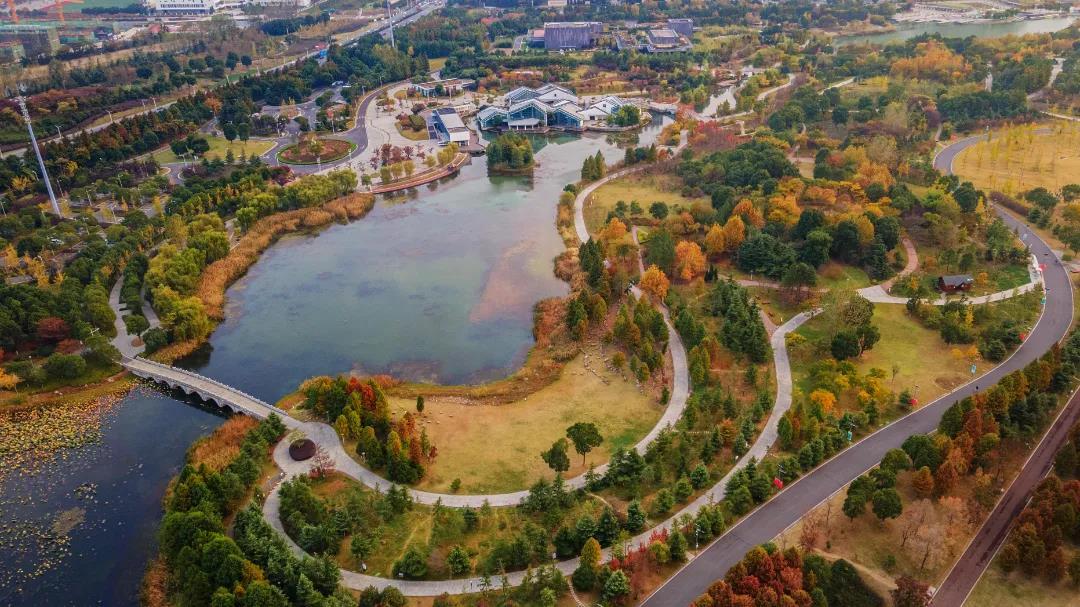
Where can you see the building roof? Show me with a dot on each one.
(547, 88)
(540, 105)
(525, 122)
(956, 280)
(445, 83)
(490, 111)
(449, 118)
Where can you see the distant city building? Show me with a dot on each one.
(182, 7)
(665, 40)
(36, 41)
(571, 35)
(683, 27)
(656, 38)
(298, 4)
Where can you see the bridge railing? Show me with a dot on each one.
(209, 380)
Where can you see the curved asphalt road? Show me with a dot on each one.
(965, 574)
(774, 516)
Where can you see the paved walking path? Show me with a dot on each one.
(787, 507)
(327, 438)
(911, 262)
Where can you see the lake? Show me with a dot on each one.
(438, 286)
(79, 527)
(961, 30)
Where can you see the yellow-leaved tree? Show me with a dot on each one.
(714, 240)
(689, 260)
(655, 282)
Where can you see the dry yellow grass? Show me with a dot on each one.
(922, 358)
(644, 188)
(997, 588)
(494, 448)
(218, 449)
(1024, 157)
(154, 591)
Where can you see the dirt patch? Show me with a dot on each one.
(949, 382)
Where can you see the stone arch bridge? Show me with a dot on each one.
(209, 390)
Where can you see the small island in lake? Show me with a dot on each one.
(510, 153)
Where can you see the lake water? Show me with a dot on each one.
(440, 286)
(961, 30)
(80, 528)
(435, 287)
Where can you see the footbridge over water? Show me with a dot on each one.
(209, 390)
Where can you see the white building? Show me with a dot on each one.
(449, 127)
(182, 7)
(547, 107)
(209, 7)
(298, 4)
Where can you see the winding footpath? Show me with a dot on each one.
(965, 573)
(327, 438)
(691, 581)
(787, 507)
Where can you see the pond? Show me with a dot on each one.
(79, 527)
(438, 286)
(961, 30)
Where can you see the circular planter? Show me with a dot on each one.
(334, 149)
(302, 449)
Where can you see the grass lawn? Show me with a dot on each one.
(421, 135)
(645, 189)
(833, 275)
(436, 63)
(924, 359)
(218, 147)
(779, 309)
(421, 527)
(999, 277)
(1019, 159)
(729, 370)
(997, 588)
(496, 448)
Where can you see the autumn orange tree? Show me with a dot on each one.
(655, 282)
(734, 233)
(689, 260)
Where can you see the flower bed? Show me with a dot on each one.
(302, 153)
